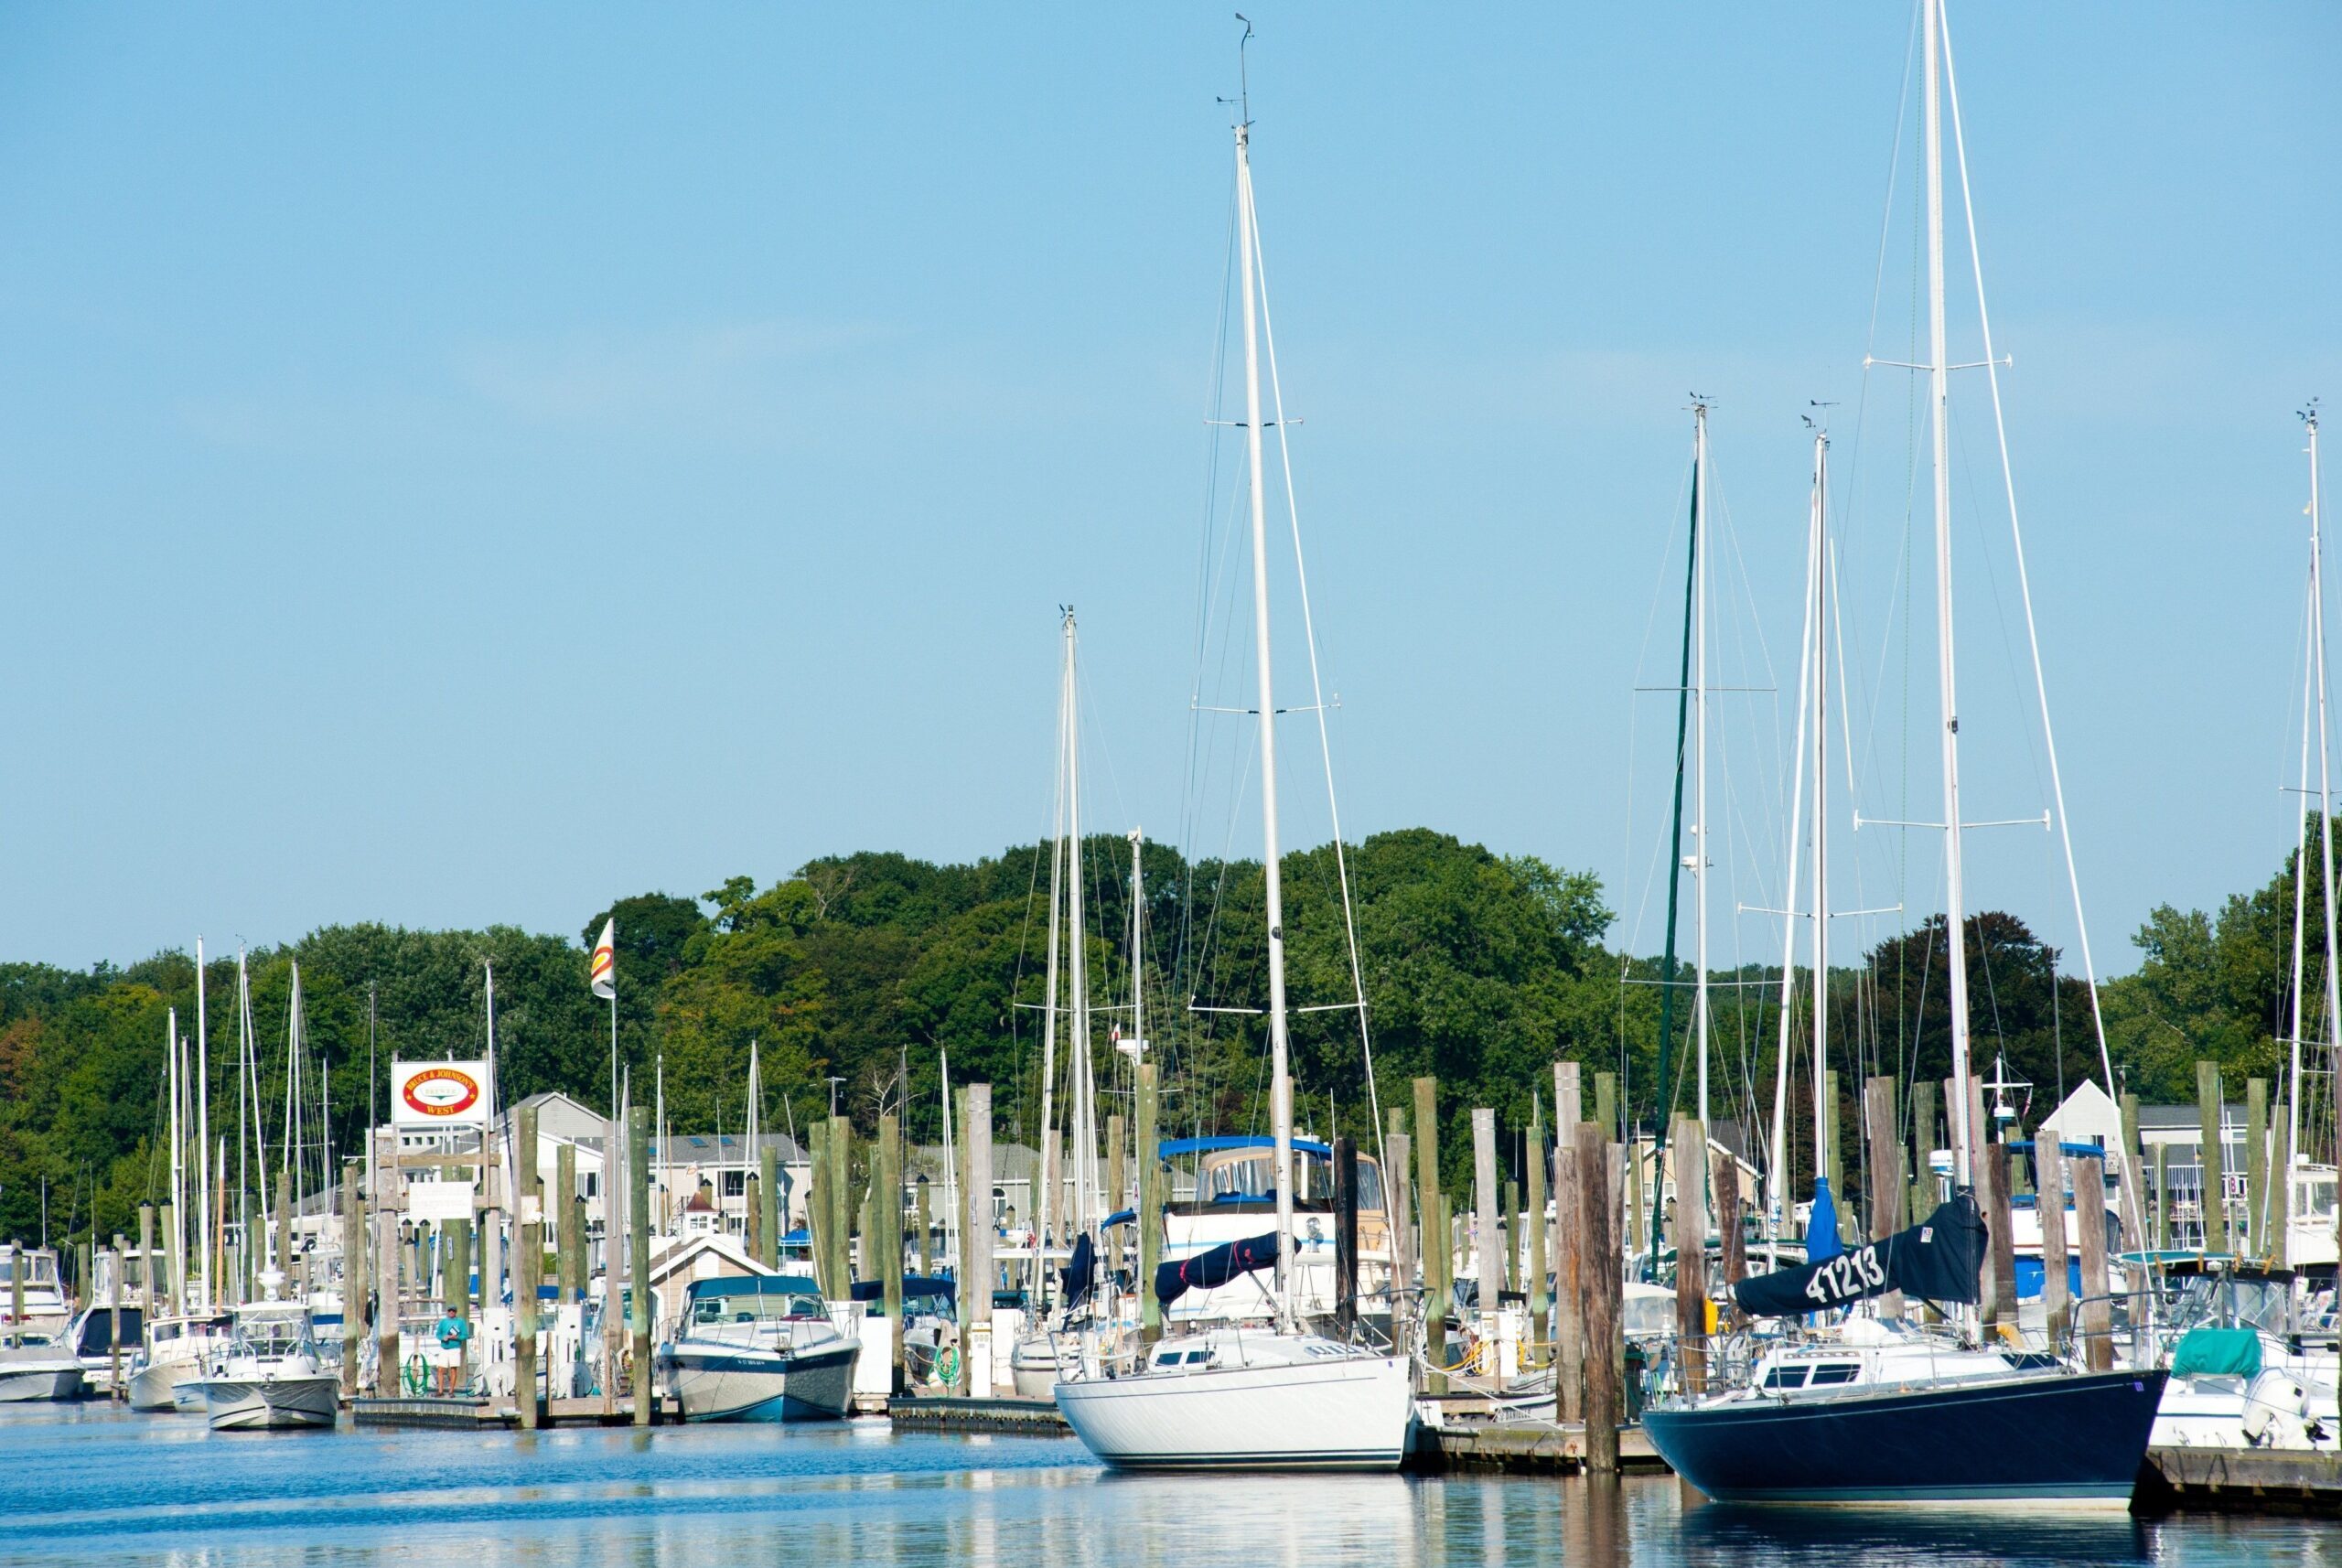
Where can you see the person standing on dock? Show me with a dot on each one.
(453, 1333)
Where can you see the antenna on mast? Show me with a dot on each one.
(1243, 78)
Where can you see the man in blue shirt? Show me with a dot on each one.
(453, 1334)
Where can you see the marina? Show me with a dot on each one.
(1792, 1181)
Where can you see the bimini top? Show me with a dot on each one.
(1171, 1148)
(915, 1287)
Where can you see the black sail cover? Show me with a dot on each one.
(1217, 1267)
(1941, 1258)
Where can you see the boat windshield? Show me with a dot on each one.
(271, 1337)
(1252, 1173)
(754, 1308)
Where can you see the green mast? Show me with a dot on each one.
(1675, 860)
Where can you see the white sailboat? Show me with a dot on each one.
(1240, 1398)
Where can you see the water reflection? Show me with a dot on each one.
(164, 1490)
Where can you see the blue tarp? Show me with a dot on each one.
(1080, 1272)
(1217, 1267)
(2032, 1273)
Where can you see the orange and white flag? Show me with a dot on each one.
(604, 971)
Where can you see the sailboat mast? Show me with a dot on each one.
(1138, 994)
(2301, 886)
(1821, 762)
(1778, 1166)
(1082, 1143)
(1938, 419)
(1281, 1081)
(1050, 1175)
(1700, 760)
(2325, 788)
(203, 1131)
(174, 1056)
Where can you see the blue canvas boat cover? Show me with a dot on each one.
(1821, 1224)
(1940, 1260)
(1217, 1267)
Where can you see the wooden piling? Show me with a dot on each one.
(1732, 1251)
(1435, 1247)
(285, 1228)
(1923, 1147)
(354, 1261)
(979, 1286)
(528, 1267)
(2280, 1192)
(387, 1206)
(1690, 1239)
(1540, 1293)
(841, 1153)
(569, 1222)
(1886, 1184)
(2001, 1303)
(1834, 1150)
(925, 1222)
(2255, 1241)
(1569, 1283)
(1511, 1232)
(752, 1214)
(2212, 1189)
(2057, 1291)
(1487, 1243)
(770, 1222)
(16, 1282)
(116, 1388)
(1605, 1104)
(887, 1210)
(1117, 1187)
(817, 1207)
(2090, 1223)
(1602, 1280)
(637, 1214)
(1397, 1205)
(1149, 1208)
(963, 1219)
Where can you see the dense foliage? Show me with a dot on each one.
(865, 975)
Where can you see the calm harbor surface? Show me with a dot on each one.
(91, 1483)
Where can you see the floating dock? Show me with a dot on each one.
(2240, 1480)
(1521, 1448)
(475, 1414)
(1036, 1418)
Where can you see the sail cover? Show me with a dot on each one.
(1821, 1224)
(1940, 1259)
(1217, 1267)
(1080, 1272)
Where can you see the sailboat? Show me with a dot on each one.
(1237, 1397)
(1886, 1413)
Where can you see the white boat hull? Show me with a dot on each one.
(719, 1382)
(254, 1404)
(32, 1384)
(1352, 1412)
(165, 1385)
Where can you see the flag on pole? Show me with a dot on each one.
(604, 971)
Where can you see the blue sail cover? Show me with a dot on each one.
(1217, 1267)
(1940, 1260)
(1821, 1224)
(1080, 1272)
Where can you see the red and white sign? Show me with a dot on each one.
(438, 1094)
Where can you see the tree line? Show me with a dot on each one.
(867, 976)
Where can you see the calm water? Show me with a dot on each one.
(92, 1484)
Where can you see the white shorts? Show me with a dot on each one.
(450, 1356)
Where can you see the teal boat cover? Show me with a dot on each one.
(2217, 1353)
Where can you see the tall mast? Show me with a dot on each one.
(1821, 762)
(1280, 1065)
(1700, 759)
(203, 1131)
(1138, 985)
(173, 1056)
(1083, 1145)
(1938, 419)
(1676, 858)
(1050, 1175)
(2333, 1032)
(1777, 1207)
(2301, 886)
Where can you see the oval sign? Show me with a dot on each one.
(442, 1091)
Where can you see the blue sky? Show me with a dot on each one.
(463, 464)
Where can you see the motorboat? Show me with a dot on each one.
(758, 1348)
(36, 1365)
(179, 1353)
(38, 1298)
(2255, 1362)
(270, 1375)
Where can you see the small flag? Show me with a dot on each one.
(604, 971)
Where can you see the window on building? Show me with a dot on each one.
(736, 1184)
